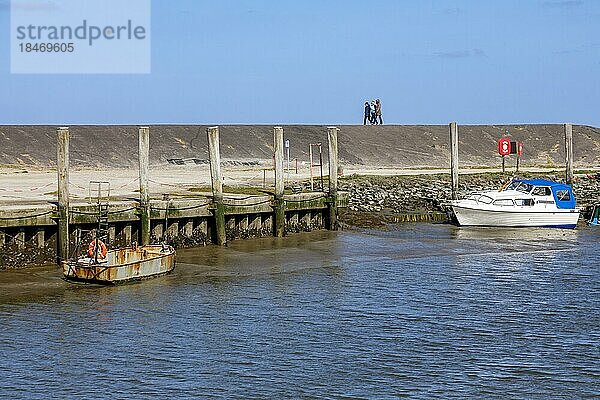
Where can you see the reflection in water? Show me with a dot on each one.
(420, 310)
(514, 234)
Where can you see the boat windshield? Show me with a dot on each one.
(512, 186)
(520, 186)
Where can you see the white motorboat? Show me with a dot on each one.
(521, 203)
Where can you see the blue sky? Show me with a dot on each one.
(317, 61)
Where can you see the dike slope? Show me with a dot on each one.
(398, 146)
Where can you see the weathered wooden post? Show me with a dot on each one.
(127, 233)
(63, 193)
(217, 183)
(20, 238)
(569, 153)
(39, 238)
(279, 180)
(332, 136)
(454, 159)
(144, 158)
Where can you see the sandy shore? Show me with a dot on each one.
(25, 186)
(41, 186)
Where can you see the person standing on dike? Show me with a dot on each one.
(378, 112)
(373, 115)
(367, 113)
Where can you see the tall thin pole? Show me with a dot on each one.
(217, 183)
(144, 161)
(287, 156)
(310, 154)
(332, 136)
(279, 184)
(321, 166)
(454, 158)
(63, 193)
(569, 153)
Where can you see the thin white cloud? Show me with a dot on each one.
(562, 3)
(460, 53)
(453, 54)
(578, 49)
(452, 11)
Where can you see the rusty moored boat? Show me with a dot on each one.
(121, 265)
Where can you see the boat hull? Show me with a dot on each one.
(123, 265)
(467, 216)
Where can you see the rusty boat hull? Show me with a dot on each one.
(122, 265)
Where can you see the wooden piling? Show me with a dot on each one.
(255, 224)
(159, 231)
(243, 224)
(454, 159)
(127, 233)
(203, 227)
(279, 182)
(144, 160)
(217, 183)
(332, 136)
(63, 193)
(569, 153)
(305, 221)
(111, 234)
(172, 230)
(19, 239)
(188, 228)
(39, 238)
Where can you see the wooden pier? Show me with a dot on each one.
(50, 232)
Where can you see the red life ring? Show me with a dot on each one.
(102, 250)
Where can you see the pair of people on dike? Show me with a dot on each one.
(373, 113)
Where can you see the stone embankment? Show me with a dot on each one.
(375, 200)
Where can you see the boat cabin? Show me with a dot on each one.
(545, 192)
(529, 193)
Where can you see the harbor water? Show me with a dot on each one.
(417, 311)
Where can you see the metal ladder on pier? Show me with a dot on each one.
(314, 164)
(99, 194)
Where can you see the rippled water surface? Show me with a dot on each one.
(420, 311)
